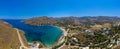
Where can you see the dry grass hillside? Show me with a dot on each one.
(72, 20)
(8, 37)
(98, 27)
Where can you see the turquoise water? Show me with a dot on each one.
(47, 34)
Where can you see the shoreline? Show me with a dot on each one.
(60, 40)
(64, 31)
(62, 37)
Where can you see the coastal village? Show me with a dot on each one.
(74, 39)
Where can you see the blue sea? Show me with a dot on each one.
(46, 34)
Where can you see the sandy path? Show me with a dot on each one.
(20, 39)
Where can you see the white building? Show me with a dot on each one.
(85, 47)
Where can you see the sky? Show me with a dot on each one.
(18, 9)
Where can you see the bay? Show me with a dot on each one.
(46, 34)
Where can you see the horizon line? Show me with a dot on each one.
(59, 17)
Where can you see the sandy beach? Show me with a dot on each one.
(64, 32)
(62, 38)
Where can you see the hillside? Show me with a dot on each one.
(8, 36)
(79, 21)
